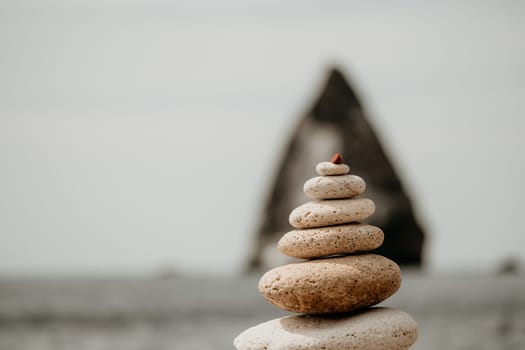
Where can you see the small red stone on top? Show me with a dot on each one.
(337, 159)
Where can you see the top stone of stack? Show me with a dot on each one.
(331, 169)
(335, 166)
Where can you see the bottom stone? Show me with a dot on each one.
(370, 329)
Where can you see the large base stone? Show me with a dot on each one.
(371, 329)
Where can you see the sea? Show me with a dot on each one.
(463, 311)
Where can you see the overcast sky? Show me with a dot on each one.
(141, 135)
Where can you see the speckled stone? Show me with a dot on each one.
(376, 328)
(329, 168)
(331, 212)
(330, 240)
(334, 187)
(331, 285)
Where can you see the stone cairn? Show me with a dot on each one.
(336, 287)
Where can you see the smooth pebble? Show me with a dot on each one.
(331, 212)
(334, 187)
(329, 168)
(330, 240)
(331, 285)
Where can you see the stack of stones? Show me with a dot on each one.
(336, 287)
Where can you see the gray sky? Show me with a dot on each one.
(139, 135)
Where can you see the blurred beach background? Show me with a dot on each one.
(138, 141)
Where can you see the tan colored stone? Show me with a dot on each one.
(376, 328)
(330, 240)
(329, 169)
(331, 285)
(331, 212)
(334, 187)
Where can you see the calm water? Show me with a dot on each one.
(461, 312)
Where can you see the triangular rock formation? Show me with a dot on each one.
(337, 123)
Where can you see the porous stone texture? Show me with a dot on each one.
(330, 240)
(372, 329)
(331, 212)
(334, 187)
(331, 285)
(329, 168)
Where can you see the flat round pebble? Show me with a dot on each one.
(334, 187)
(331, 212)
(325, 241)
(376, 328)
(331, 285)
(329, 168)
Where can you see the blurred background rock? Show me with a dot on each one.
(141, 138)
(337, 123)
